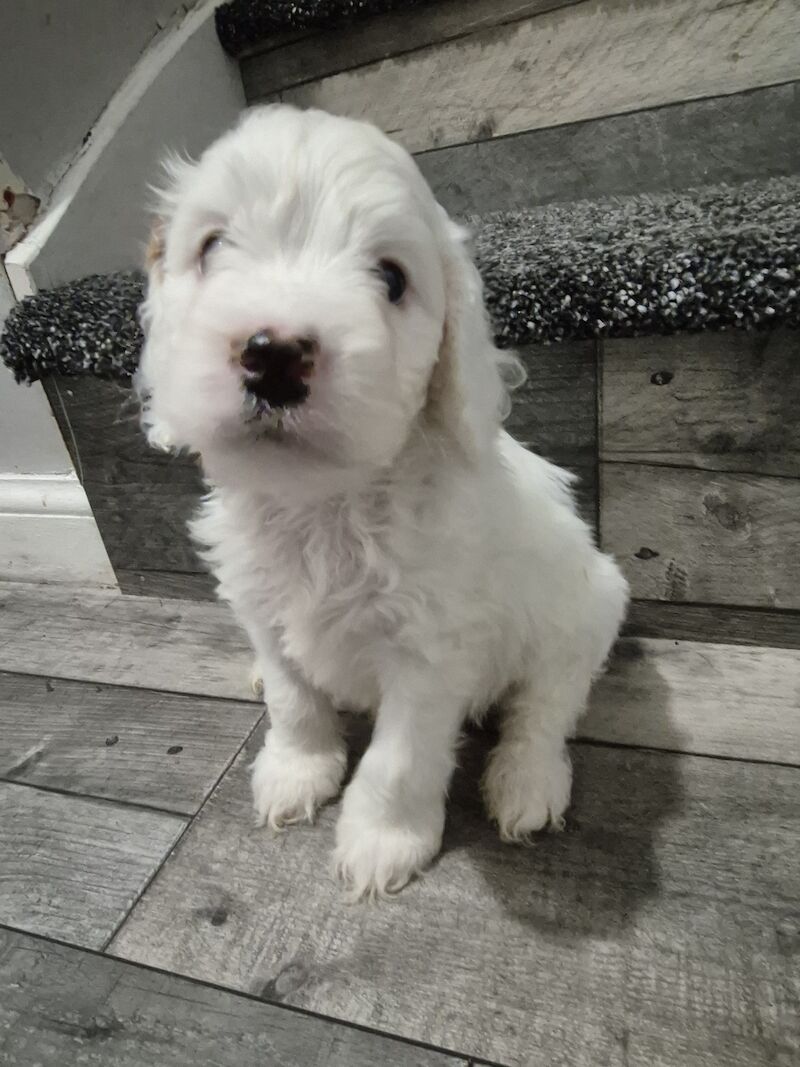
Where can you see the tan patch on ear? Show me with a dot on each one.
(440, 385)
(444, 403)
(154, 255)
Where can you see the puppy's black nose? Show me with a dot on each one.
(276, 368)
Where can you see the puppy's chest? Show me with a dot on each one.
(339, 598)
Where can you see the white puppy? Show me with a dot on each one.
(316, 332)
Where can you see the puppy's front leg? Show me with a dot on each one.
(393, 810)
(303, 760)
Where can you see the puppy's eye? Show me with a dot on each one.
(394, 279)
(209, 246)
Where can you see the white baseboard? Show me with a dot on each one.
(48, 533)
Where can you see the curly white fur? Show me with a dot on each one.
(392, 548)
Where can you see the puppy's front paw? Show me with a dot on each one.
(376, 855)
(526, 787)
(290, 784)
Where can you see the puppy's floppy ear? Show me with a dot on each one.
(165, 197)
(154, 253)
(156, 353)
(466, 392)
(157, 433)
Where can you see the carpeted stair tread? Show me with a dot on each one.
(713, 258)
(241, 24)
(709, 258)
(89, 326)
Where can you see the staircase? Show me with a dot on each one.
(631, 172)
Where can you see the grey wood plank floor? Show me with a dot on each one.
(712, 699)
(71, 867)
(178, 645)
(155, 749)
(59, 1005)
(657, 929)
(661, 928)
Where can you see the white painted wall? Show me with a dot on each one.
(61, 62)
(182, 93)
(21, 408)
(47, 530)
(22, 452)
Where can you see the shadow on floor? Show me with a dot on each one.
(591, 879)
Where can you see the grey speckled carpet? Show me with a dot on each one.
(244, 23)
(713, 258)
(710, 258)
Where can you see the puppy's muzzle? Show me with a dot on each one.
(277, 369)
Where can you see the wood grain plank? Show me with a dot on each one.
(713, 538)
(657, 929)
(729, 139)
(712, 622)
(278, 39)
(154, 749)
(713, 699)
(168, 585)
(196, 648)
(593, 59)
(72, 867)
(141, 498)
(176, 645)
(60, 1005)
(716, 401)
(555, 412)
(317, 55)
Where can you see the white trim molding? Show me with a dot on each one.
(48, 532)
(47, 529)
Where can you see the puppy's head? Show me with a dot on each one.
(308, 303)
